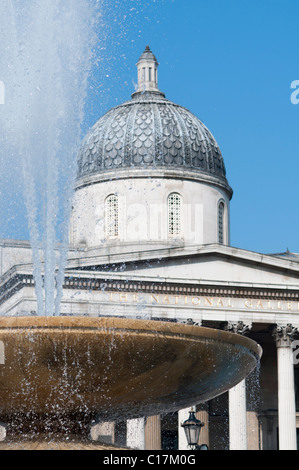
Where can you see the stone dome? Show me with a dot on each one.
(151, 133)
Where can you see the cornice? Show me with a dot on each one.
(154, 173)
(100, 282)
(98, 257)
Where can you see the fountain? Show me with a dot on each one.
(59, 374)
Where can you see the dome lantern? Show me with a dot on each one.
(147, 67)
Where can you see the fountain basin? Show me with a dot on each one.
(115, 367)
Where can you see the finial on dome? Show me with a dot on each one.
(147, 67)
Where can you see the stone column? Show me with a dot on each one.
(136, 433)
(2, 353)
(237, 403)
(202, 414)
(103, 432)
(253, 431)
(2, 432)
(153, 439)
(283, 335)
(237, 417)
(254, 440)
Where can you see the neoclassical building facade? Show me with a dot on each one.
(150, 238)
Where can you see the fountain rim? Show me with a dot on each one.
(127, 325)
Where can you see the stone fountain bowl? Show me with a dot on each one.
(115, 367)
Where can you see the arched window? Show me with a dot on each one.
(174, 214)
(220, 222)
(111, 216)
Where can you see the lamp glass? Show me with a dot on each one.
(192, 427)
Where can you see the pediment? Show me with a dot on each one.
(212, 264)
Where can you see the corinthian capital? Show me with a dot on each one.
(238, 327)
(284, 335)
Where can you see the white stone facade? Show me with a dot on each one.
(143, 215)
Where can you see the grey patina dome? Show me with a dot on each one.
(150, 132)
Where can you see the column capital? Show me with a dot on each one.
(237, 327)
(284, 335)
(190, 321)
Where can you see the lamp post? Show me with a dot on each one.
(192, 427)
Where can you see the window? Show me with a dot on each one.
(220, 222)
(111, 216)
(174, 214)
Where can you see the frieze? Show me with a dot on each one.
(170, 294)
(202, 302)
(182, 289)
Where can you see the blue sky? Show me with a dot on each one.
(231, 63)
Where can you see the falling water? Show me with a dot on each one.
(46, 50)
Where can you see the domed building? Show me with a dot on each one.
(154, 172)
(150, 238)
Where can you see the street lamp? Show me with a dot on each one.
(192, 427)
